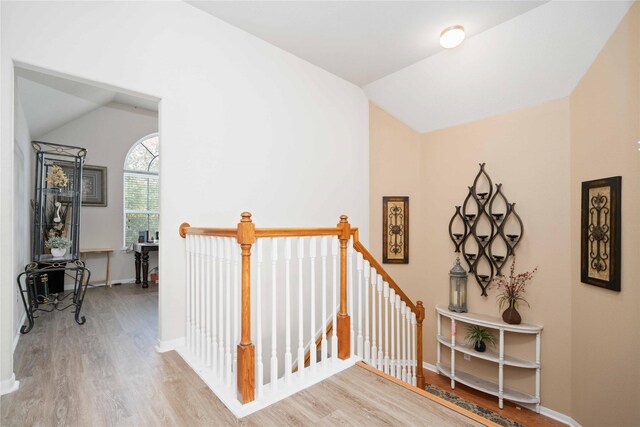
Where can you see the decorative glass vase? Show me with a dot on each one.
(511, 315)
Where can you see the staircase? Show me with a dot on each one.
(319, 285)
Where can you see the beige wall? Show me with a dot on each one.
(605, 129)
(394, 171)
(528, 152)
(591, 340)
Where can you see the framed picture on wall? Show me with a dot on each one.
(395, 230)
(94, 184)
(600, 233)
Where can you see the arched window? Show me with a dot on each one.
(141, 189)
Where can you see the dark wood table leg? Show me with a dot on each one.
(145, 269)
(137, 267)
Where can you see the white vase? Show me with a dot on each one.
(58, 252)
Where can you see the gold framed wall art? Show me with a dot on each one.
(395, 230)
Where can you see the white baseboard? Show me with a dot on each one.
(17, 335)
(69, 286)
(9, 386)
(558, 416)
(169, 345)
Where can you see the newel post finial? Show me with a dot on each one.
(419, 320)
(182, 230)
(245, 217)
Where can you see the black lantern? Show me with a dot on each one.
(458, 288)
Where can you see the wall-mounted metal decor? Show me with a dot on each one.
(486, 229)
(600, 239)
(395, 230)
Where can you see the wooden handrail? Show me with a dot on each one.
(367, 255)
(246, 234)
(185, 229)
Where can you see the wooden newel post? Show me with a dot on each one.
(419, 320)
(343, 319)
(246, 349)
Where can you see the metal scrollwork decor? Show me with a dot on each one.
(486, 229)
(600, 239)
(395, 230)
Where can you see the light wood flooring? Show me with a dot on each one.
(107, 373)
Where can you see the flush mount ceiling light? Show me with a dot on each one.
(452, 36)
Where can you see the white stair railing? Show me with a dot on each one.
(297, 283)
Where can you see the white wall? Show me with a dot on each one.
(107, 133)
(23, 184)
(244, 125)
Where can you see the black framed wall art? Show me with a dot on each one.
(395, 230)
(601, 233)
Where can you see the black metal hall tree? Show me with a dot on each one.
(56, 226)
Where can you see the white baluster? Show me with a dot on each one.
(207, 302)
(367, 344)
(313, 350)
(350, 285)
(392, 361)
(374, 317)
(259, 366)
(189, 244)
(235, 252)
(403, 311)
(399, 362)
(334, 335)
(380, 354)
(227, 290)
(400, 305)
(323, 343)
(414, 343)
(360, 342)
(203, 299)
(300, 308)
(212, 304)
(385, 291)
(221, 282)
(197, 298)
(287, 302)
(274, 310)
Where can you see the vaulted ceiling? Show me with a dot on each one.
(49, 101)
(361, 41)
(517, 54)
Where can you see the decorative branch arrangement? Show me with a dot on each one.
(486, 229)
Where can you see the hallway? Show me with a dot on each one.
(108, 373)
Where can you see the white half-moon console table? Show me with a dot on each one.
(497, 389)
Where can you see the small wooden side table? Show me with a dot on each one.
(141, 251)
(107, 251)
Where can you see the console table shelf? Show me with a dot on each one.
(500, 358)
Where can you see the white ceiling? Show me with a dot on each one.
(362, 41)
(534, 58)
(49, 101)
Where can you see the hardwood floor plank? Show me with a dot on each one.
(107, 373)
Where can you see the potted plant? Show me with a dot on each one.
(478, 336)
(58, 245)
(512, 291)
